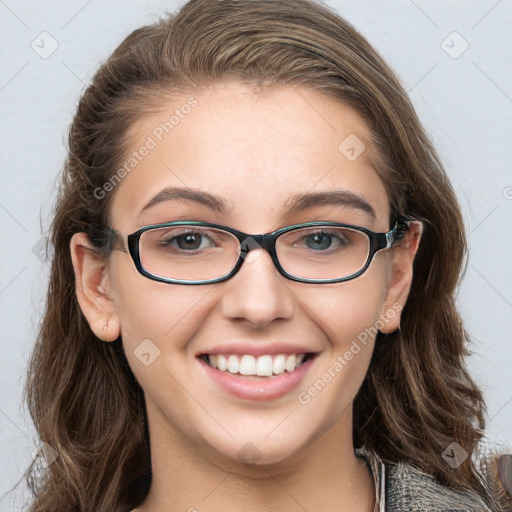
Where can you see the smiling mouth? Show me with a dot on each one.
(247, 365)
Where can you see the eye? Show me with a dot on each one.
(319, 241)
(187, 241)
(323, 240)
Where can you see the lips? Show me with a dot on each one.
(257, 372)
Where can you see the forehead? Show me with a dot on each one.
(254, 151)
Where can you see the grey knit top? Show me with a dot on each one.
(403, 488)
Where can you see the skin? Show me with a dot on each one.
(255, 151)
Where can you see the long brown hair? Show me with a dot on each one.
(417, 397)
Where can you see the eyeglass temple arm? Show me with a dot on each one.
(107, 238)
(402, 225)
(117, 241)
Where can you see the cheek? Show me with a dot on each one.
(347, 309)
(156, 311)
(158, 323)
(348, 313)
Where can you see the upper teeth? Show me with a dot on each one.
(263, 366)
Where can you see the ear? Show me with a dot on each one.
(93, 289)
(402, 258)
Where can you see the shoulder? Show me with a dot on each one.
(408, 488)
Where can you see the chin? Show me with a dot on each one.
(259, 449)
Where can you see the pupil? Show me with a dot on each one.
(189, 241)
(320, 241)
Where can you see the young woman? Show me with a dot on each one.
(251, 300)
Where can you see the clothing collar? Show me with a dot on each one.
(378, 471)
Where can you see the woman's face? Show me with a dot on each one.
(255, 155)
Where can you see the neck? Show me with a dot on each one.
(326, 475)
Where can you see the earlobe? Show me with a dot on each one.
(402, 261)
(93, 288)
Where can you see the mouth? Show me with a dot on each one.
(266, 365)
(260, 378)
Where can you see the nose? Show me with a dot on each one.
(257, 294)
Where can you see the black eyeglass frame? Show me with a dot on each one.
(267, 241)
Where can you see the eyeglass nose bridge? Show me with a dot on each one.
(249, 243)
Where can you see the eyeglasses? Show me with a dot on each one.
(193, 252)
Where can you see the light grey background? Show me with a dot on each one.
(463, 98)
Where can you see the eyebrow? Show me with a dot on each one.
(294, 204)
(330, 198)
(214, 203)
